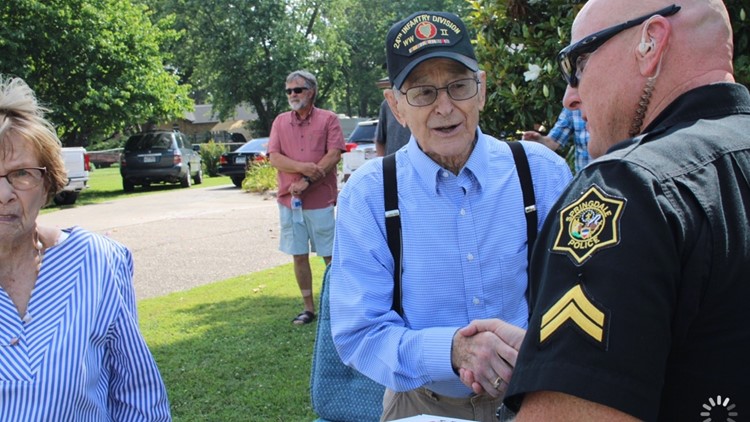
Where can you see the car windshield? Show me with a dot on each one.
(256, 145)
(145, 141)
(363, 133)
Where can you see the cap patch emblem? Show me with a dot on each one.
(425, 31)
(589, 224)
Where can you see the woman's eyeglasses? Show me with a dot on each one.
(424, 95)
(573, 57)
(25, 179)
(297, 90)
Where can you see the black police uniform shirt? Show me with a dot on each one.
(641, 281)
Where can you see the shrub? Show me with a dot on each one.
(210, 154)
(260, 177)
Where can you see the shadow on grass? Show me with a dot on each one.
(228, 352)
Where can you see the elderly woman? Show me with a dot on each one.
(70, 346)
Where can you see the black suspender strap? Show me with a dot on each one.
(527, 187)
(393, 225)
(529, 207)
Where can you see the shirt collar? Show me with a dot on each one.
(296, 121)
(429, 171)
(725, 99)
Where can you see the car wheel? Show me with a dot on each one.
(127, 186)
(198, 179)
(237, 180)
(186, 180)
(66, 198)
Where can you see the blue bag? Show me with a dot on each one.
(339, 393)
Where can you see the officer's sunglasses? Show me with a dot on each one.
(572, 58)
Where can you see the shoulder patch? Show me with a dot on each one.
(589, 224)
(577, 309)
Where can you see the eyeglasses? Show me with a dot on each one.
(424, 95)
(297, 90)
(25, 179)
(573, 57)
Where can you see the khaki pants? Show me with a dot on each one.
(423, 401)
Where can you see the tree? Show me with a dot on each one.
(517, 45)
(96, 64)
(241, 52)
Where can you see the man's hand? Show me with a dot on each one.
(312, 170)
(298, 187)
(485, 352)
(531, 135)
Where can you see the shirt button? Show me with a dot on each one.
(444, 174)
(14, 341)
(26, 318)
(470, 257)
(476, 301)
(463, 211)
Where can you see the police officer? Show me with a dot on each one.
(641, 279)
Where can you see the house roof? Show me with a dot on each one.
(203, 113)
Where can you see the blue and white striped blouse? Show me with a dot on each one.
(78, 354)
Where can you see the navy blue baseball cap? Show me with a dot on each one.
(423, 36)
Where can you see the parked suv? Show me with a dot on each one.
(159, 156)
(363, 136)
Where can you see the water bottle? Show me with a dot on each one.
(297, 209)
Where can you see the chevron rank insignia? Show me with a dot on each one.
(576, 309)
(589, 224)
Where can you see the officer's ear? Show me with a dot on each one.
(652, 45)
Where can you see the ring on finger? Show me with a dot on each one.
(497, 383)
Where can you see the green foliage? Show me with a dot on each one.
(512, 38)
(261, 177)
(228, 351)
(739, 14)
(210, 153)
(96, 64)
(240, 52)
(515, 35)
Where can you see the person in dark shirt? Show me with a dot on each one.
(640, 280)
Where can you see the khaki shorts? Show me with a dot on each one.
(314, 234)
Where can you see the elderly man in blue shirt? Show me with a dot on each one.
(463, 229)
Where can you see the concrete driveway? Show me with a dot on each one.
(184, 238)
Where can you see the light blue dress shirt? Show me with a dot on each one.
(78, 355)
(464, 258)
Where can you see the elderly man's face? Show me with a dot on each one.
(447, 126)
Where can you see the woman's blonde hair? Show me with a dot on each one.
(22, 115)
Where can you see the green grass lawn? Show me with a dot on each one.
(228, 351)
(105, 184)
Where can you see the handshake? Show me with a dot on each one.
(484, 354)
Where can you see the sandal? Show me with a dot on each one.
(305, 317)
